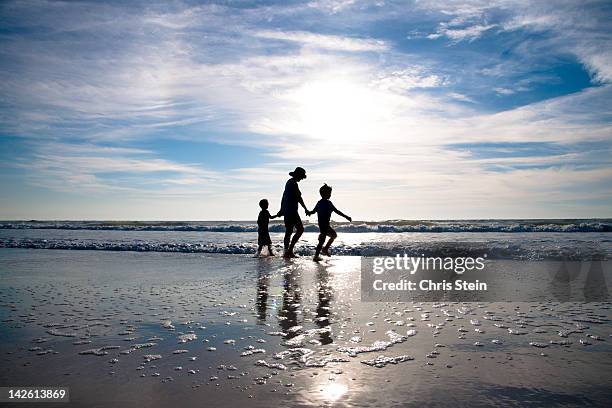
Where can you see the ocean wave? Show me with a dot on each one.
(491, 250)
(399, 226)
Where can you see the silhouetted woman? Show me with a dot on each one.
(292, 196)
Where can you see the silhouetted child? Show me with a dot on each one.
(263, 235)
(324, 210)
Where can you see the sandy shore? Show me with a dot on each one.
(159, 329)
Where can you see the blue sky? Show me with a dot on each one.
(412, 109)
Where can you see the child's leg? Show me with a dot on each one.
(270, 250)
(332, 236)
(320, 244)
(259, 250)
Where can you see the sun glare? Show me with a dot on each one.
(333, 391)
(339, 110)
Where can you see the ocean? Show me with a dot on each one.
(499, 239)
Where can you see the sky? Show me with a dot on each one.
(185, 110)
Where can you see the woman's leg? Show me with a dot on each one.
(299, 230)
(288, 232)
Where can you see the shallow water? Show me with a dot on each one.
(153, 329)
(521, 245)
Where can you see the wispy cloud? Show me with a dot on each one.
(98, 170)
(331, 6)
(577, 27)
(332, 42)
(459, 34)
(504, 91)
(406, 79)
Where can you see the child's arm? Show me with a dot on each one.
(314, 210)
(343, 214)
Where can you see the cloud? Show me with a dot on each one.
(331, 6)
(85, 85)
(94, 169)
(332, 42)
(459, 34)
(503, 91)
(460, 97)
(406, 79)
(576, 27)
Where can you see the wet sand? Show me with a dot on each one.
(160, 329)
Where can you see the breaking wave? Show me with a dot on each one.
(396, 226)
(495, 249)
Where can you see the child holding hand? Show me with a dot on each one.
(324, 210)
(263, 235)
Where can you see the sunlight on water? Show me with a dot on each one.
(333, 391)
(238, 331)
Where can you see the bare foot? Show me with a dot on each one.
(290, 254)
(325, 252)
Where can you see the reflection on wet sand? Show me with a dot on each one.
(290, 309)
(231, 331)
(263, 281)
(325, 294)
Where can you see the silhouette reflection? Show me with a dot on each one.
(325, 294)
(288, 314)
(263, 282)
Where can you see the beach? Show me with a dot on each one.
(328, 203)
(155, 328)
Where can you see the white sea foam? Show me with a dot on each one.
(382, 361)
(516, 239)
(392, 226)
(558, 249)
